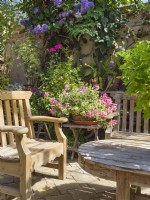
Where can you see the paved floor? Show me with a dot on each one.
(79, 185)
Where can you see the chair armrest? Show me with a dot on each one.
(58, 130)
(48, 119)
(20, 138)
(14, 129)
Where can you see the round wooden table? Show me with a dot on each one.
(124, 161)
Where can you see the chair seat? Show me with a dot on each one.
(41, 151)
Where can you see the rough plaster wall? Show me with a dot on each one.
(16, 68)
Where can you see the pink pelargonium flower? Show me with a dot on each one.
(96, 87)
(82, 89)
(52, 111)
(113, 122)
(114, 107)
(53, 101)
(89, 115)
(51, 50)
(95, 112)
(58, 46)
(46, 94)
(60, 106)
(103, 114)
(67, 87)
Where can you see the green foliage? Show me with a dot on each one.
(28, 53)
(102, 22)
(8, 23)
(55, 78)
(4, 81)
(136, 74)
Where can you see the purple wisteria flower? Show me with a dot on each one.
(35, 10)
(44, 28)
(77, 5)
(40, 29)
(57, 2)
(85, 5)
(65, 14)
(37, 29)
(22, 22)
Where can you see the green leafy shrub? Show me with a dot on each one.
(55, 78)
(136, 74)
(4, 81)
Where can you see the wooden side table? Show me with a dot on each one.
(76, 129)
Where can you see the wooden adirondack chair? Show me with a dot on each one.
(20, 153)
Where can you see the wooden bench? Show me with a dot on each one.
(20, 152)
(128, 121)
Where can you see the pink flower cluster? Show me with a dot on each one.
(110, 107)
(46, 94)
(83, 89)
(106, 100)
(54, 102)
(55, 48)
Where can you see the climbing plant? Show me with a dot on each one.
(69, 20)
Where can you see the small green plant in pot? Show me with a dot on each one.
(83, 101)
(136, 74)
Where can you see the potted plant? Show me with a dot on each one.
(83, 102)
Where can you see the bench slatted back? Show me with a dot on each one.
(129, 120)
(14, 110)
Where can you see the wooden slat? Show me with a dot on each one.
(8, 112)
(21, 113)
(12, 169)
(118, 102)
(138, 122)
(29, 124)
(9, 190)
(1, 114)
(131, 116)
(124, 116)
(9, 95)
(9, 120)
(3, 141)
(15, 113)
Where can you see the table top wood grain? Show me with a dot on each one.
(118, 154)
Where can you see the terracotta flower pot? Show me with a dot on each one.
(82, 120)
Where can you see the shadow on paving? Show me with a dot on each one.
(50, 188)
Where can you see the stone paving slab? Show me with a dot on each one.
(79, 185)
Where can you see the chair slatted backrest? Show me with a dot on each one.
(14, 110)
(130, 120)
